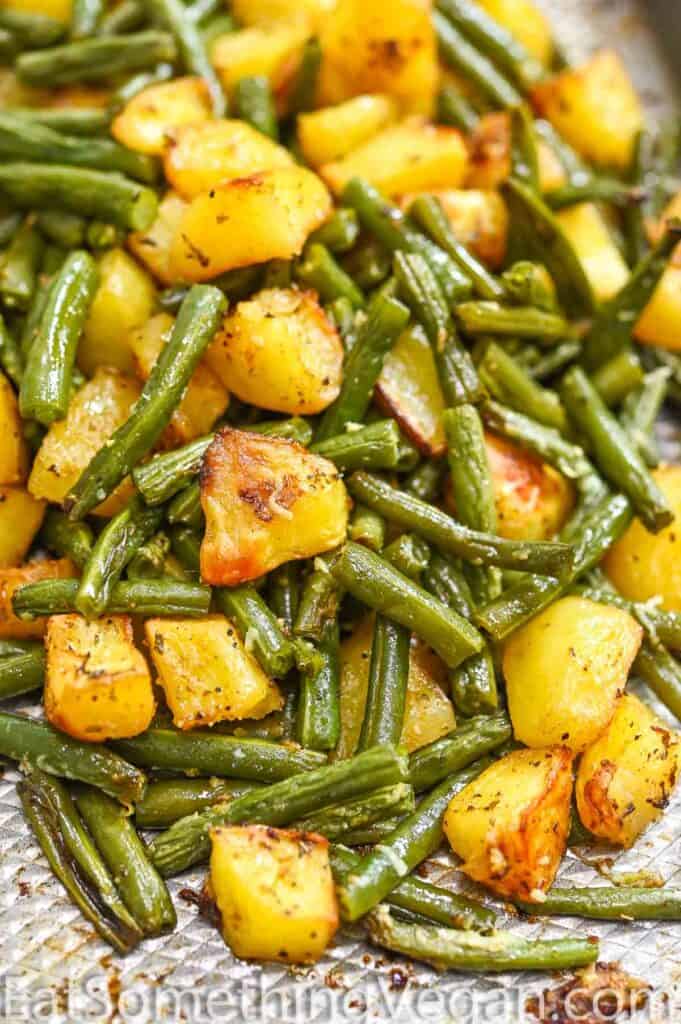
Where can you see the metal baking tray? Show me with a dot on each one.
(54, 968)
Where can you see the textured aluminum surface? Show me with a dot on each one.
(53, 968)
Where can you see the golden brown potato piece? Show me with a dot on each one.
(201, 156)
(595, 247)
(279, 350)
(152, 247)
(510, 825)
(625, 779)
(266, 12)
(274, 891)
(660, 322)
(101, 406)
(478, 218)
(13, 450)
(97, 684)
(525, 21)
(147, 120)
(249, 220)
(384, 46)
(595, 108)
(266, 501)
(20, 517)
(11, 579)
(410, 156)
(644, 565)
(564, 670)
(490, 156)
(206, 672)
(272, 50)
(408, 389)
(331, 133)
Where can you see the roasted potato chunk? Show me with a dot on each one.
(625, 778)
(273, 50)
(660, 322)
(533, 501)
(13, 451)
(266, 501)
(205, 399)
(97, 684)
(410, 156)
(478, 218)
(428, 712)
(265, 12)
(565, 669)
(152, 247)
(20, 517)
(595, 108)
(206, 672)
(201, 156)
(596, 250)
(490, 156)
(101, 406)
(270, 216)
(333, 132)
(643, 565)
(274, 891)
(408, 389)
(380, 47)
(124, 300)
(279, 350)
(146, 121)
(11, 579)
(510, 825)
(526, 22)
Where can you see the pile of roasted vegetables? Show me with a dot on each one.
(332, 524)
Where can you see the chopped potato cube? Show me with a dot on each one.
(660, 322)
(152, 247)
(124, 300)
(101, 406)
(565, 669)
(595, 108)
(478, 218)
(524, 20)
(207, 673)
(407, 157)
(201, 156)
(12, 579)
(490, 156)
(97, 684)
(13, 452)
(385, 46)
(146, 121)
(205, 399)
(408, 388)
(510, 825)
(333, 132)
(273, 50)
(646, 565)
(279, 350)
(625, 779)
(249, 220)
(20, 517)
(274, 891)
(266, 501)
(603, 263)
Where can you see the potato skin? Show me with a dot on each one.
(11, 579)
(644, 565)
(266, 501)
(625, 778)
(510, 825)
(275, 892)
(97, 684)
(565, 669)
(279, 350)
(146, 121)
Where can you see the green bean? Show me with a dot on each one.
(74, 860)
(20, 265)
(185, 508)
(67, 120)
(640, 411)
(185, 544)
(555, 360)
(127, 16)
(662, 673)
(136, 83)
(318, 719)
(115, 546)
(340, 232)
(94, 58)
(634, 214)
(24, 738)
(373, 581)
(294, 429)
(368, 263)
(387, 687)
(419, 835)
(167, 800)
(320, 271)
(425, 481)
(304, 87)
(616, 457)
(85, 17)
(9, 225)
(506, 380)
(190, 45)
(64, 229)
(318, 602)
(67, 539)
(21, 139)
(375, 446)
(32, 31)
(367, 527)
(187, 841)
(11, 359)
(524, 149)
(164, 597)
(612, 328)
(46, 385)
(255, 105)
(618, 377)
(337, 820)
(149, 561)
(503, 49)
(196, 324)
(214, 27)
(594, 189)
(386, 318)
(166, 474)
(450, 536)
(484, 318)
(609, 903)
(459, 54)
(283, 595)
(22, 672)
(253, 619)
(408, 554)
(100, 235)
(449, 949)
(526, 284)
(454, 109)
(476, 737)
(79, 190)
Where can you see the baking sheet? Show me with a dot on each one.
(54, 968)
